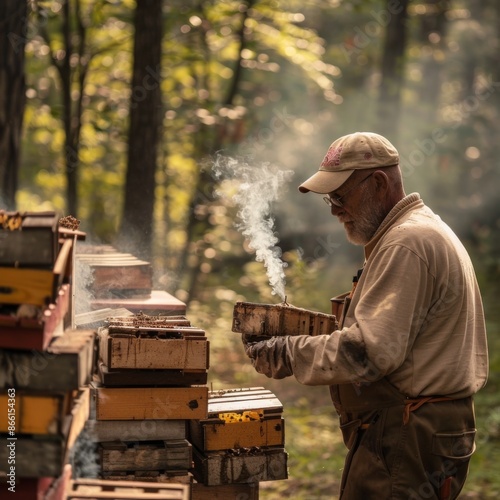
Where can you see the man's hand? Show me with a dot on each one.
(269, 357)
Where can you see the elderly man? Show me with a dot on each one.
(411, 350)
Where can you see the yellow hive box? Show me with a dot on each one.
(34, 414)
(240, 418)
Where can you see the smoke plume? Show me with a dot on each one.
(257, 187)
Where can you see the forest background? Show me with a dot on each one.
(117, 112)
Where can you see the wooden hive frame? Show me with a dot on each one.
(98, 489)
(280, 319)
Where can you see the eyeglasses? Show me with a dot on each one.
(335, 202)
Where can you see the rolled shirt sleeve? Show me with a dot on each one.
(381, 324)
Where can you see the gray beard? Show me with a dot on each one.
(367, 221)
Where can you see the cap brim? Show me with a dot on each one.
(323, 182)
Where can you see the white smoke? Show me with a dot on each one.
(258, 186)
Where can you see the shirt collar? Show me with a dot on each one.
(397, 211)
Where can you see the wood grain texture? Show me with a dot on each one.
(27, 286)
(136, 430)
(280, 319)
(217, 468)
(150, 403)
(230, 436)
(159, 456)
(152, 476)
(132, 352)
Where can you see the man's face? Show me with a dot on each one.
(361, 211)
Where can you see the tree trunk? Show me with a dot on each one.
(13, 22)
(145, 120)
(72, 69)
(432, 33)
(70, 147)
(392, 68)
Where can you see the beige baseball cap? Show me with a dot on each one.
(357, 151)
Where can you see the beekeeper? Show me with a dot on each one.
(411, 349)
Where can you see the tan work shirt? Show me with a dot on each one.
(416, 316)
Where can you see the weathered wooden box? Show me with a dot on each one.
(155, 350)
(152, 476)
(36, 284)
(36, 457)
(144, 322)
(168, 348)
(44, 455)
(150, 456)
(102, 431)
(27, 333)
(35, 413)
(27, 286)
(28, 239)
(240, 418)
(244, 466)
(280, 319)
(42, 414)
(66, 365)
(148, 403)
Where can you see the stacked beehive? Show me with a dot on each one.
(241, 442)
(152, 371)
(35, 272)
(44, 366)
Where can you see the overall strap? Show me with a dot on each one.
(415, 404)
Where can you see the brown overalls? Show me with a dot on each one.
(401, 448)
